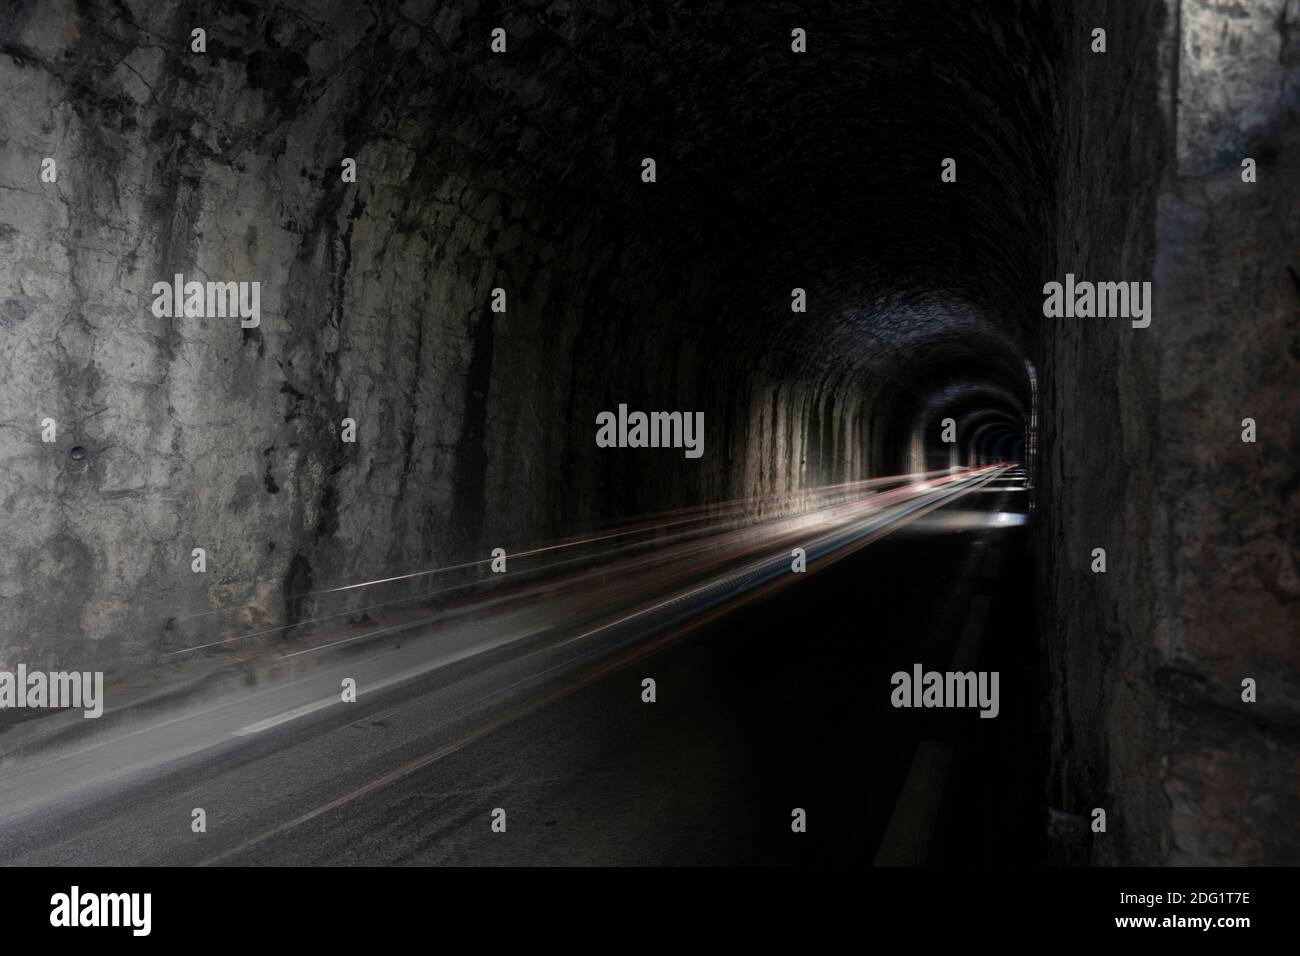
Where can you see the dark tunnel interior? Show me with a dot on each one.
(837, 254)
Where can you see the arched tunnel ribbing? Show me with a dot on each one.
(775, 172)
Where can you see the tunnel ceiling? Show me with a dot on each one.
(819, 171)
(775, 170)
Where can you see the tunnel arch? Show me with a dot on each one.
(776, 171)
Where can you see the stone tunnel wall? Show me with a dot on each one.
(1142, 449)
(474, 429)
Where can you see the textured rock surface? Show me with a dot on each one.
(474, 172)
(1229, 261)
(521, 171)
(1142, 449)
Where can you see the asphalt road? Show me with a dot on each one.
(776, 700)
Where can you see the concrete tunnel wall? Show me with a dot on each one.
(476, 429)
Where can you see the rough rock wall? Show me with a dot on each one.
(1094, 453)
(473, 428)
(1142, 437)
(1228, 530)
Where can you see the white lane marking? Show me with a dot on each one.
(287, 716)
(911, 827)
(397, 678)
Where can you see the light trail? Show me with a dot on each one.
(730, 529)
(606, 602)
(643, 524)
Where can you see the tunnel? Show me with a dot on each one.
(827, 228)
